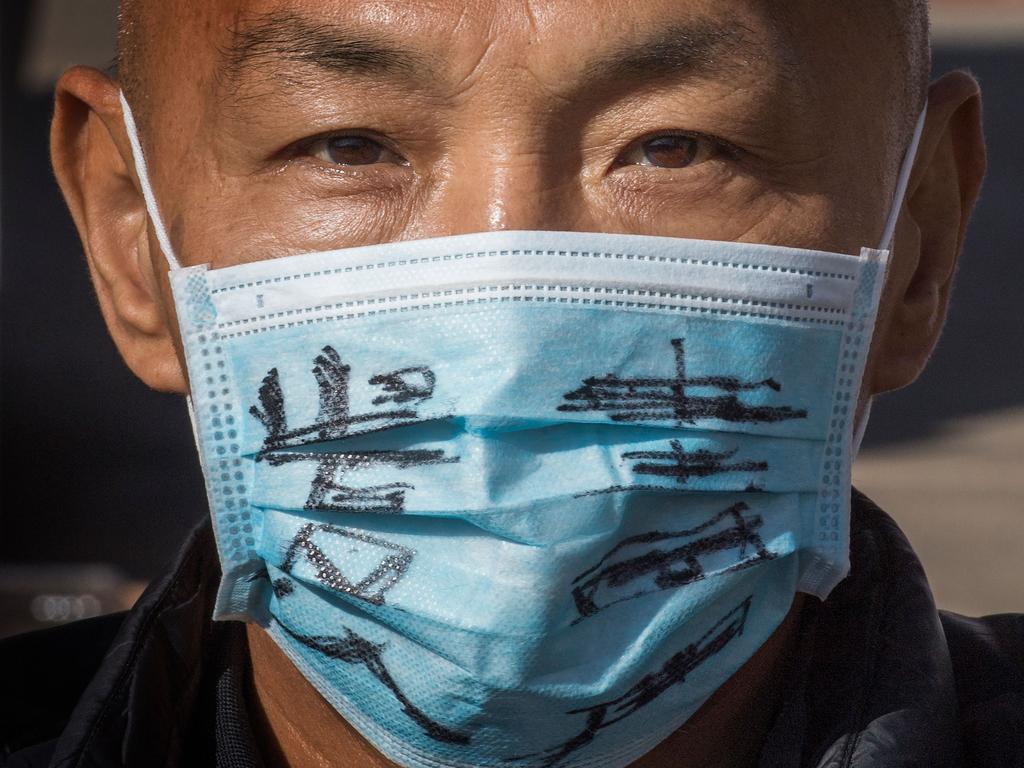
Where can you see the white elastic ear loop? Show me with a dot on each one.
(862, 428)
(158, 225)
(147, 189)
(902, 183)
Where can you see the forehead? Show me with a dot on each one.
(440, 24)
(557, 49)
(824, 50)
(455, 39)
(465, 39)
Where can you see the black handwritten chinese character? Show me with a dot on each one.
(334, 421)
(674, 672)
(668, 399)
(658, 560)
(405, 384)
(394, 560)
(681, 465)
(354, 649)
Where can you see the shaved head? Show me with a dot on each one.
(900, 28)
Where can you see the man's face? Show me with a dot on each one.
(279, 128)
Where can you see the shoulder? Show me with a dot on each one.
(987, 655)
(44, 674)
(90, 690)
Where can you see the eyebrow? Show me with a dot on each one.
(275, 37)
(701, 47)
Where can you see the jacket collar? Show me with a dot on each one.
(872, 684)
(157, 684)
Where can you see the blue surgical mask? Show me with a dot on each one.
(526, 498)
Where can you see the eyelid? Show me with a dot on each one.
(719, 146)
(304, 147)
(717, 142)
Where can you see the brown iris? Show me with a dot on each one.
(670, 151)
(354, 150)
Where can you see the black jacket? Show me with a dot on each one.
(880, 677)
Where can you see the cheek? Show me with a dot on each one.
(268, 220)
(253, 218)
(706, 206)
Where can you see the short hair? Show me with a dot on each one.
(129, 66)
(915, 38)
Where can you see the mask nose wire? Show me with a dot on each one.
(902, 183)
(147, 189)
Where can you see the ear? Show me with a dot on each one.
(92, 161)
(943, 190)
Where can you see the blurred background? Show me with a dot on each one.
(99, 482)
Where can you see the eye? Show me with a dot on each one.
(668, 151)
(352, 150)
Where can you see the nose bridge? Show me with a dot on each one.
(511, 174)
(519, 189)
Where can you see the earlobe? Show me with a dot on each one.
(89, 149)
(943, 190)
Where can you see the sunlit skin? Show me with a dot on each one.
(788, 129)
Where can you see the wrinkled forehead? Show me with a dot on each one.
(223, 44)
(453, 45)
